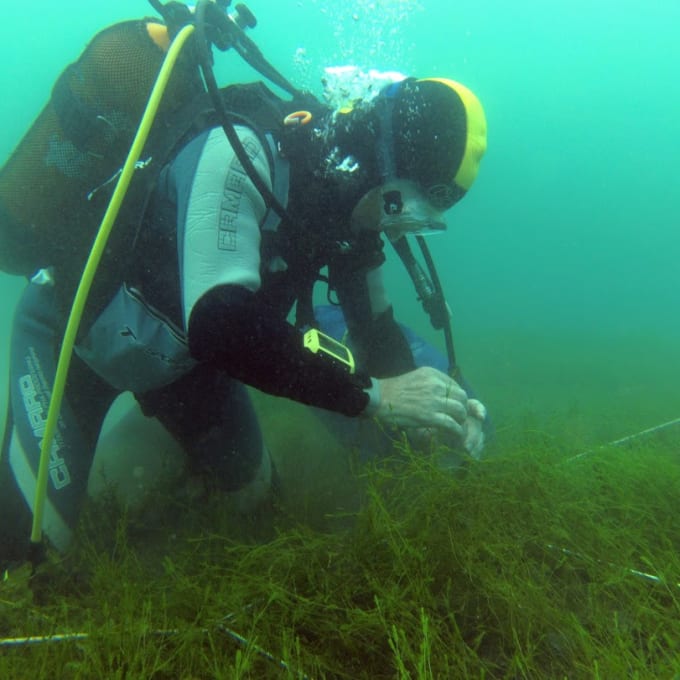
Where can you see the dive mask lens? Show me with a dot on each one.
(444, 196)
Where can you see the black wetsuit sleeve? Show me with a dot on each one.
(381, 349)
(385, 349)
(230, 328)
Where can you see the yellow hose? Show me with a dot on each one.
(89, 272)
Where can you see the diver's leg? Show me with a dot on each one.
(212, 417)
(36, 337)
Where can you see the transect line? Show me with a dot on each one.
(623, 440)
(630, 570)
(237, 637)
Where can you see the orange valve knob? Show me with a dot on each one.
(297, 118)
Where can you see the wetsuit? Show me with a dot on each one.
(203, 312)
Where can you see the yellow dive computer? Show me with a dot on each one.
(320, 343)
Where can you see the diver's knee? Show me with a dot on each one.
(259, 489)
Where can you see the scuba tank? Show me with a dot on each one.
(55, 186)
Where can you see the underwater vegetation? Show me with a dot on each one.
(530, 564)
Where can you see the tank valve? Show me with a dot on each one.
(243, 17)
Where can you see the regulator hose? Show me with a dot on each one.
(36, 548)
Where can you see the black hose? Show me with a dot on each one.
(158, 6)
(175, 15)
(226, 34)
(424, 287)
(443, 308)
(430, 293)
(205, 61)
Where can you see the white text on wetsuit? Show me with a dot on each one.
(59, 473)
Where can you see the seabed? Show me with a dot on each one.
(532, 563)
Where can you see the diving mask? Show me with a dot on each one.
(405, 210)
(397, 207)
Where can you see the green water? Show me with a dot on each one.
(560, 266)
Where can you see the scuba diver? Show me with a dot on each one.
(210, 289)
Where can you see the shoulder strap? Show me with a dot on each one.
(280, 184)
(251, 104)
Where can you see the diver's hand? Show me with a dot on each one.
(473, 439)
(424, 398)
(470, 439)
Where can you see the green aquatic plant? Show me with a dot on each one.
(529, 564)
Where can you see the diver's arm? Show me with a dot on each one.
(219, 216)
(386, 348)
(413, 398)
(229, 328)
(380, 346)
